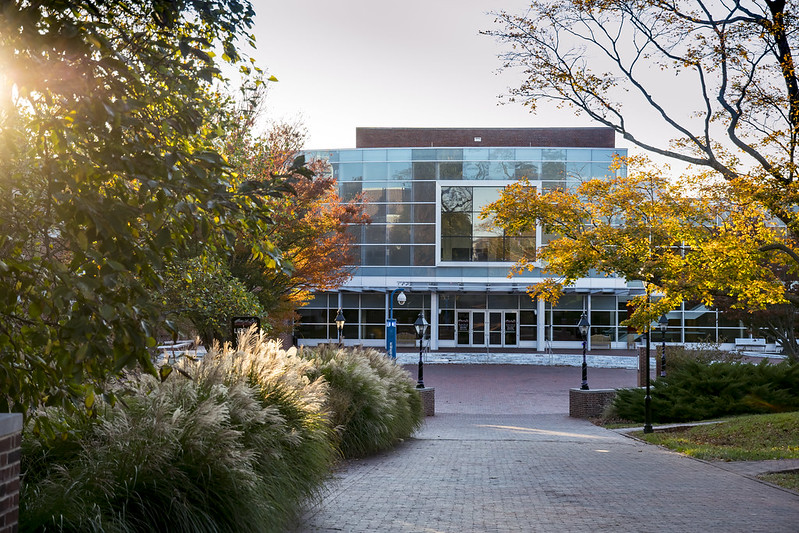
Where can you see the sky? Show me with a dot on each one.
(371, 63)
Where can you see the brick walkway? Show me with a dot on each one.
(501, 455)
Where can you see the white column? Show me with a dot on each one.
(433, 320)
(541, 313)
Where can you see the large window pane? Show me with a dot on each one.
(456, 224)
(399, 234)
(399, 191)
(456, 248)
(374, 192)
(373, 316)
(424, 213)
(424, 171)
(424, 255)
(375, 234)
(376, 300)
(527, 169)
(476, 170)
(399, 255)
(400, 171)
(374, 255)
(450, 171)
(399, 212)
(456, 199)
(488, 249)
(424, 191)
(424, 234)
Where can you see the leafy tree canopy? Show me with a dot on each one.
(718, 78)
(687, 240)
(110, 133)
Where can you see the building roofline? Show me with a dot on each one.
(588, 137)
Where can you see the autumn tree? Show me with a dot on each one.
(308, 224)
(712, 84)
(110, 130)
(684, 240)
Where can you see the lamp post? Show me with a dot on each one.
(583, 326)
(421, 328)
(648, 397)
(340, 325)
(663, 324)
(391, 324)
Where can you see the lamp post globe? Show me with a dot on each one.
(340, 325)
(421, 328)
(584, 326)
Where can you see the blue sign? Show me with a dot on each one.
(391, 338)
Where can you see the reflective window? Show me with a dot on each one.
(477, 170)
(424, 171)
(424, 234)
(424, 255)
(450, 171)
(424, 213)
(399, 255)
(424, 191)
(375, 171)
(399, 234)
(374, 155)
(400, 171)
(374, 255)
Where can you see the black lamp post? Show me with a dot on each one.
(340, 325)
(663, 324)
(421, 328)
(583, 326)
(648, 397)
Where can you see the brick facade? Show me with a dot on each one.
(10, 442)
(589, 403)
(488, 137)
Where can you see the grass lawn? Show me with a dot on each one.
(743, 438)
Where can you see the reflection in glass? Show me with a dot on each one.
(399, 255)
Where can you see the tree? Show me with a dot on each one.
(109, 165)
(685, 241)
(309, 224)
(719, 77)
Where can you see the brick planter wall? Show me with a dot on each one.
(589, 403)
(428, 395)
(10, 441)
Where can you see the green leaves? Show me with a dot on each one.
(109, 163)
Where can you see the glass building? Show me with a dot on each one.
(424, 190)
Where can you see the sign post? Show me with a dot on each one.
(391, 338)
(240, 324)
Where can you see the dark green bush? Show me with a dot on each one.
(698, 390)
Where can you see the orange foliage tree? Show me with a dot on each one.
(309, 227)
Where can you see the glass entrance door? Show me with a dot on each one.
(471, 328)
(502, 328)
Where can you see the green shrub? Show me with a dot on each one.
(372, 401)
(238, 448)
(695, 390)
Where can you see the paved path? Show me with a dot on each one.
(501, 455)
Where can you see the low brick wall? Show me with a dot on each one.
(10, 441)
(428, 395)
(589, 403)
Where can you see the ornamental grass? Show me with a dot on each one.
(237, 441)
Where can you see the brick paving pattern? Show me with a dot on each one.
(501, 455)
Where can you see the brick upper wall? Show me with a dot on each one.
(600, 137)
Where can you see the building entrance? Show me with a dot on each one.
(501, 328)
(471, 328)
